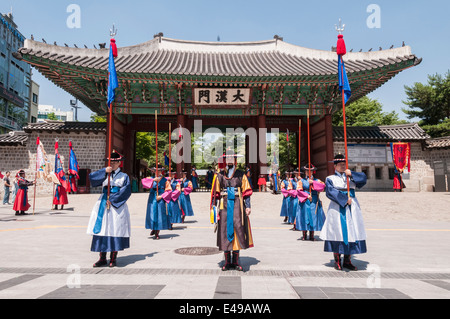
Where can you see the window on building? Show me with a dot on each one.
(391, 173)
(35, 98)
(378, 173)
(365, 170)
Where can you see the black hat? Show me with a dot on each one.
(21, 172)
(312, 168)
(339, 158)
(115, 157)
(160, 168)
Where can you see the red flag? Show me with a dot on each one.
(401, 155)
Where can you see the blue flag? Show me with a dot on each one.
(166, 159)
(113, 83)
(343, 80)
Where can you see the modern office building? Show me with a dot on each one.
(45, 110)
(15, 78)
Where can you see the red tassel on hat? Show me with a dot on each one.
(114, 47)
(340, 48)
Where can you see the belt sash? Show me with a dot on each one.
(231, 195)
(343, 211)
(102, 208)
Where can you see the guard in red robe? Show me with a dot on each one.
(21, 204)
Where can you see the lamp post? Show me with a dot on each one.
(74, 104)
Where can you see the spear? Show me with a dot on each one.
(170, 150)
(156, 141)
(309, 150)
(299, 144)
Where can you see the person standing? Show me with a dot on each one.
(232, 194)
(109, 223)
(312, 216)
(185, 198)
(174, 204)
(285, 188)
(15, 187)
(21, 204)
(157, 217)
(7, 188)
(344, 231)
(209, 178)
(194, 175)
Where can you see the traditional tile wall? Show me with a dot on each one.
(89, 149)
(421, 177)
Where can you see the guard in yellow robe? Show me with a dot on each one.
(231, 196)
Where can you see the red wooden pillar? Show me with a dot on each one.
(262, 144)
(181, 121)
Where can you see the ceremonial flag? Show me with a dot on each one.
(344, 85)
(113, 83)
(1, 176)
(166, 159)
(401, 155)
(180, 132)
(73, 163)
(44, 166)
(287, 135)
(343, 80)
(59, 169)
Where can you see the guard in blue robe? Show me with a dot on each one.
(174, 204)
(110, 219)
(312, 217)
(286, 198)
(194, 179)
(344, 231)
(157, 217)
(185, 198)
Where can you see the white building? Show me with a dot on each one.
(45, 110)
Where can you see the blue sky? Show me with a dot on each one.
(423, 25)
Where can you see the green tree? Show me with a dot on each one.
(366, 112)
(52, 117)
(431, 104)
(97, 118)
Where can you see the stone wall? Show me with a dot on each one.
(421, 177)
(89, 149)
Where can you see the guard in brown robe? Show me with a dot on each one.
(231, 193)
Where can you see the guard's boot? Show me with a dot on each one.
(235, 261)
(102, 261)
(311, 236)
(304, 235)
(337, 261)
(348, 263)
(113, 258)
(227, 264)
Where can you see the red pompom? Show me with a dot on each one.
(114, 47)
(340, 48)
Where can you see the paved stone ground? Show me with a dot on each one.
(47, 255)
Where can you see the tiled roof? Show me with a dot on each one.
(14, 138)
(388, 133)
(441, 142)
(66, 126)
(252, 59)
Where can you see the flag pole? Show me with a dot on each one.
(35, 175)
(299, 144)
(109, 152)
(309, 150)
(156, 141)
(341, 51)
(112, 85)
(170, 150)
(345, 129)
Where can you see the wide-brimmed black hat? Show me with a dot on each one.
(160, 168)
(115, 157)
(312, 168)
(339, 158)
